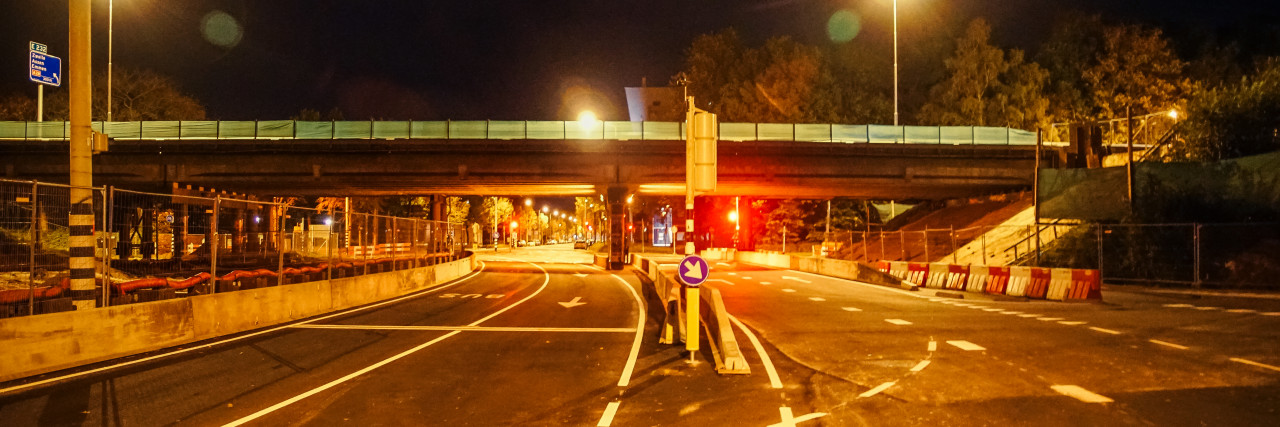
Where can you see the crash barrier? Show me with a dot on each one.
(918, 273)
(40, 344)
(715, 319)
(718, 254)
(380, 249)
(1056, 284)
(988, 279)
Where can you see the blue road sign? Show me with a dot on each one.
(693, 270)
(44, 68)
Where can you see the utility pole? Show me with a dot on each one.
(79, 71)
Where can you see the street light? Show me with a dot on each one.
(895, 63)
(110, 46)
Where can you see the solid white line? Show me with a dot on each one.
(1049, 319)
(1105, 331)
(850, 309)
(1169, 344)
(462, 328)
(267, 331)
(865, 284)
(933, 346)
(546, 278)
(966, 346)
(607, 419)
(898, 322)
(877, 390)
(774, 381)
(1081, 394)
(817, 299)
(920, 366)
(635, 344)
(1072, 323)
(1250, 362)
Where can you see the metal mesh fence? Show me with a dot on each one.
(158, 246)
(1209, 255)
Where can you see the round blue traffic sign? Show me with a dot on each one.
(693, 270)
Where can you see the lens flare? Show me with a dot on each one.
(843, 26)
(221, 29)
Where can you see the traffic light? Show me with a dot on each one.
(702, 150)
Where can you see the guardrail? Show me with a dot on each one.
(515, 130)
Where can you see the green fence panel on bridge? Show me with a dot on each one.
(884, 134)
(507, 129)
(955, 135)
(737, 131)
(197, 130)
(921, 134)
(391, 130)
(1021, 137)
(775, 132)
(545, 130)
(429, 130)
(664, 131)
(813, 132)
(849, 133)
(470, 129)
(623, 131)
(160, 129)
(275, 129)
(236, 130)
(352, 130)
(990, 136)
(313, 130)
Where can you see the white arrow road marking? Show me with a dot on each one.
(573, 303)
(1081, 394)
(695, 269)
(795, 279)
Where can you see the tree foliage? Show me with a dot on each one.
(137, 95)
(986, 86)
(1232, 121)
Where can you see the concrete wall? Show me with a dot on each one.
(827, 267)
(33, 345)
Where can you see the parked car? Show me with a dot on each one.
(581, 244)
(551, 241)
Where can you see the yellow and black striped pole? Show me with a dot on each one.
(81, 219)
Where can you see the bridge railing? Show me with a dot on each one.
(516, 130)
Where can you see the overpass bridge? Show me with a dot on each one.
(374, 158)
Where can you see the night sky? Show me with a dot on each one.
(501, 60)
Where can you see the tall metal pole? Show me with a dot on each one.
(79, 71)
(1128, 166)
(895, 63)
(689, 247)
(110, 47)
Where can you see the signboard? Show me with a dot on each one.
(42, 67)
(693, 270)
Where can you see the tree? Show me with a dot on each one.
(137, 95)
(1233, 121)
(18, 108)
(493, 208)
(458, 209)
(777, 82)
(986, 86)
(1137, 68)
(1071, 48)
(789, 215)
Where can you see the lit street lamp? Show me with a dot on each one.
(895, 63)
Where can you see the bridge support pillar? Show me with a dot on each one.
(619, 247)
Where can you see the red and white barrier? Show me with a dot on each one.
(917, 273)
(1085, 284)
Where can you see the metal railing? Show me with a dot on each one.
(153, 246)
(517, 130)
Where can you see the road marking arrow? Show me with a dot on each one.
(796, 279)
(574, 303)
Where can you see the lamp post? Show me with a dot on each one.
(110, 46)
(895, 63)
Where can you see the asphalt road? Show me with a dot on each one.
(540, 337)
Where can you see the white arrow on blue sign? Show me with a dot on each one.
(693, 270)
(44, 68)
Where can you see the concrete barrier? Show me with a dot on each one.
(729, 358)
(1059, 284)
(38, 344)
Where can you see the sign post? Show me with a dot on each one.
(44, 69)
(692, 272)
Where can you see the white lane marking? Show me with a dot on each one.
(607, 419)
(722, 281)
(850, 309)
(962, 305)
(877, 390)
(1260, 365)
(267, 331)
(1072, 323)
(577, 301)
(817, 299)
(993, 309)
(1169, 344)
(788, 290)
(774, 381)
(977, 307)
(1081, 394)
(732, 273)
(920, 366)
(1049, 319)
(933, 346)
(746, 277)
(1274, 313)
(1105, 331)
(724, 264)
(1241, 310)
(1178, 305)
(1011, 312)
(580, 275)
(898, 322)
(462, 328)
(797, 279)
(865, 284)
(966, 346)
(1030, 315)
(546, 278)
(766, 283)
(627, 369)
(1208, 308)
(936, 299)
(790, 420)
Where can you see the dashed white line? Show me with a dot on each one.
(1241, 310)
(1178, 305)
(1072, 323)
(732, 273)
(746, 277)
(788, 290)
(1011, 312)
(850, 309)
(764, 283)
(1208, 308)
(1274, 313)
(817, 299)
(1169, 344)
(933, 346)
(1049, 319)
(920, 366)
(877, 390)
(1105, 331)
(898, 322)
(966, 346)
(607, 419)
(993, 309)
(1260, 365)
(1030, 315)
(1081, 394)
(724, 264)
